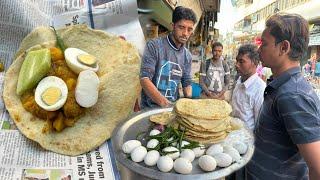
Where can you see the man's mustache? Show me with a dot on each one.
(183, 37)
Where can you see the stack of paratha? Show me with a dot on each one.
(204, 120)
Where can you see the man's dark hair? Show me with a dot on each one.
(182, 13)
(215, 44)
(293, 28)
(251, 50)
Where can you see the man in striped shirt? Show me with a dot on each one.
(166, 63)
(287, 134)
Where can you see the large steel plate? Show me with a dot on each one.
(129, 129)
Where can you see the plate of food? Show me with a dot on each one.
(68, 89)
(194, 139)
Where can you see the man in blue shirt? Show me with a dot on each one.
(287, 134)
(166, 63)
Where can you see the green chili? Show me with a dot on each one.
(180, 140)
(59, 40)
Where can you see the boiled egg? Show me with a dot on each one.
(232, 152)
(165, 163)
(138, 154)
(130, 145)
(172, 152)
(152, 143)
(240, 147)
(207, 163)
(170, 139)
(223, 159)
(182, 166)
(199, 151)
(184, 143)
(154, 132)
(79, 60)
(51, 93)
(87, 89)
(214, 149)
(151, 158)
(188, 154)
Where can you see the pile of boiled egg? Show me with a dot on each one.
(215, 155)
(51, 92)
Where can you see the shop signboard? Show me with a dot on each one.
(314, 39)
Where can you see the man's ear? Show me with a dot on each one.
(285, 47)
(172, 25)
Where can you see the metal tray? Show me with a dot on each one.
(129, 129)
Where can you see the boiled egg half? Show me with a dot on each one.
(79, 60)
(51, 93)
(87, 89)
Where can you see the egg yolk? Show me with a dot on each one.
(87, 59)
(51, 95)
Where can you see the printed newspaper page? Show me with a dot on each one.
(20, 157)
(119, 17)
(20, 17)
(24, 159)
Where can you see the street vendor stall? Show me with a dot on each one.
(137, 132)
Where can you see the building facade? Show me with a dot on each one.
(252, 14)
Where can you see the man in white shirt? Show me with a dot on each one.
(247, 96)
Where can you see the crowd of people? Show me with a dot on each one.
(271, 94)
(312, 67)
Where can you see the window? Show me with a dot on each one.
(270, 9)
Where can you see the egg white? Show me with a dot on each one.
(87, 89)
(71, 55)
(47, 82)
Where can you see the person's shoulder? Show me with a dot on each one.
(155, 41)
(304, 97)
(256, 84)
(260, 83)
(296, 84)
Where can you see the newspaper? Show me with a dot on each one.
(20, 157)
(18, 18)
(24, 159)
(117, 17)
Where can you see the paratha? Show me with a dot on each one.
(163, 118)
(205, 124)
(204, 134)
(207, 140)
(119, 88)
(208, 109)
(188, 125)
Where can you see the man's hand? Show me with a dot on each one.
(164, 102)
(211, 95)
(220, 95)
(151, 90)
